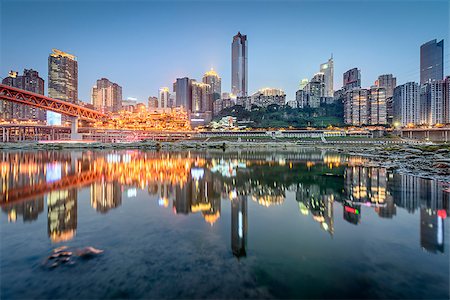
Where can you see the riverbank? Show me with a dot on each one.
(421, 159)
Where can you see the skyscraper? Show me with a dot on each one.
(328, 70)
(377, 106)
(183, 90)
(431, 61)
(239, 80)
(352, 79)
(29, 81)
(106, 96)
(407, 104)
(163, 99)
(62, 81)
(213, 79)
(152, 103)
(201, 97)
(389, 82)
(356, 107)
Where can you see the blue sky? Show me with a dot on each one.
(144, 45)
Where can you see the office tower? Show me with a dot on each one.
(183, 89)
(377, 106)
(407, 104)
(431, 61)
(62, 81)
(152, 103)
(172, 100)
(29, 81)
(239, 80)
(356, 106)
(301, 98)
(215, 82)
(106, 96)
(201, 97)
(328, 70)
(388, 82)
(352, 79)
(163, 99)
(239, 226)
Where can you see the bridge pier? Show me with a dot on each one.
(74, 135)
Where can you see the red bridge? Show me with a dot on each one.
(74, 111)
(37, 100)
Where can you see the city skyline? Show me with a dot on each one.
(141, 76)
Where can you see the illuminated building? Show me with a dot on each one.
(105, 195)
(352, 79)
(303, 83)
(106, 96)
(201, 97)
(215, 82)
(328, 70)
(239, 72)
(239, 226)
(431, 61)
(435, 102)
(377, 106)
(152, 103)
(62, 81)
(163, 99)
(62, 215)
(389, 82)
(356, 107)
(29, 210)
(314, 91)
(183, 90)
(407, 104)
(263, 98)
(29, 81)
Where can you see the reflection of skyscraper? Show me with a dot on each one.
(352, 213)
(62, 215)
(239, 226)
(183, 198)
(431, 231)
(105, 196)
(29, 210)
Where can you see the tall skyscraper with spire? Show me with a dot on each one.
(328, 70)
(239, 80)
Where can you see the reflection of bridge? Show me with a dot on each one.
(74, 111)
(21, 194)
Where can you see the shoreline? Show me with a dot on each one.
(420, 159)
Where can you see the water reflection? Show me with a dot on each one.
(200, 183)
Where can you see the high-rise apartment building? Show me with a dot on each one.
(352, 79)
(29, 81)
(407, 104)
(328, 70)
(356, 107)
(163, 98)
(431, 61)
(62, 81)
(439, 101)
(106, 96)
(389, 82)
(239, 80)
(215, 82)
(377, 106)
(183, 90)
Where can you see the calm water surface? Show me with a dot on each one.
(218, 225)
